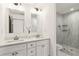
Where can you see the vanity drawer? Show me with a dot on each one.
(31, 44)
(20, 52)
(42, 42)
(31, 52)
(12, 48)
(15, 53)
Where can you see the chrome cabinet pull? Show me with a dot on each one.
(31, 51)
(14, 54)
(31, 44)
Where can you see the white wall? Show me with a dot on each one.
(27, 21)
(3, 21)
(49, 27)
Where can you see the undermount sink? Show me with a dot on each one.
(9, 41)
(39, 36)
(13, 41)
(35, 36)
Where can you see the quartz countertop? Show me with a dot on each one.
(22, 40)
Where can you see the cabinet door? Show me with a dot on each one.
(16, 53)
(6, 54)
(43, 50)
(46, 50)
(12, 48)
(39, 51)
(21, 52)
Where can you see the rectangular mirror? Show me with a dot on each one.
(16, 21)
(34, 22)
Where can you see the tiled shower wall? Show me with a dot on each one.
(71, 36)
(59, 21)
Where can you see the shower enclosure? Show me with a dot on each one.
(67, 27)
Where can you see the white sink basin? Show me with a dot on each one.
(9, 41)
(14, 41)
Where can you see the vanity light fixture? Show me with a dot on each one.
(38, 9)
(17, 4)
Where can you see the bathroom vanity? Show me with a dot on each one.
(28, 22)
(32, 46)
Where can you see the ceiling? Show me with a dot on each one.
(65, 7)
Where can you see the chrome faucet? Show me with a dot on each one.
(16, 37)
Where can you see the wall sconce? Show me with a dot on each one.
(16, 4)
(38, 9)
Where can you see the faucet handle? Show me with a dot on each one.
(16, 37)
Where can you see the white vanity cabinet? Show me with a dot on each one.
(38, 48)
(43, 48)
(32, 48)
(15, 53)
(13, 50)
